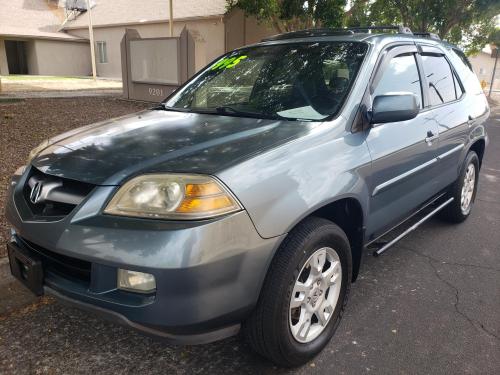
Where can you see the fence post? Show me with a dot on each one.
(493, 73)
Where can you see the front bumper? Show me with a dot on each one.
(208, 273)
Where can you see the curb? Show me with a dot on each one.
(16, 96)
(5, 276)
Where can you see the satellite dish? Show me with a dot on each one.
(78, 5)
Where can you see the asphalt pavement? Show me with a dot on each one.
(430, 305)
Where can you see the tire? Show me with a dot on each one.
(269, 329)
(455, 211)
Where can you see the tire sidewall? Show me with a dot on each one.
(471, 158)
(326, 236)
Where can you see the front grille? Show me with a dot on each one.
(62, 265)
(48, 195)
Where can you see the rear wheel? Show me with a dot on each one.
(463, 190)
(304, 294)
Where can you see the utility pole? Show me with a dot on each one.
(91, 37)
(171, 14)
(493, 73)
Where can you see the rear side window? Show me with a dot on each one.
(458, 89)
(462, 57)
(401, 75)
(440, 79)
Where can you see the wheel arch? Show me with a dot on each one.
(479, 146)
(347, 212)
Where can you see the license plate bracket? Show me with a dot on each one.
(27, 268)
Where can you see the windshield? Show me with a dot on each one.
(299, 81)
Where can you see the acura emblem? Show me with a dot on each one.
(35, 193)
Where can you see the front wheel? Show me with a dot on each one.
(304, 294)
(463, 190)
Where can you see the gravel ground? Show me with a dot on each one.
(26, 123)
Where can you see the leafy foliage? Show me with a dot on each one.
(290, 15)
(494, 37)
(465, 22)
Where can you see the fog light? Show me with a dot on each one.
(136, 281)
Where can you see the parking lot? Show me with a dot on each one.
(430, 305)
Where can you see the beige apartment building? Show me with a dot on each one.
(40, 37)
(30, 42)
(483, 64)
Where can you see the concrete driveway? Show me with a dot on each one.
(32, 86)
(430, 305)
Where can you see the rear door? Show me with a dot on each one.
(449, 109)
(404, 162)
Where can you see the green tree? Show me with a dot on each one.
(494, 37)
(291, 15)
(467, 23)
(464, 22)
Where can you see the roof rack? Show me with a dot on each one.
(328, 32)
(427, 35)
(308, 33)
(400, 29)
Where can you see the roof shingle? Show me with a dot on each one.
(32, 18)
(117, 12)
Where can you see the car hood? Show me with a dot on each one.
(151, 141)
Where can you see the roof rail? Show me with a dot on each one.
(400, 29)
(427, 35)
(308, 33)
(328, 32)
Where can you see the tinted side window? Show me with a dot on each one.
(464, 58)
(458, 89)
(440, 79)
(401, 75)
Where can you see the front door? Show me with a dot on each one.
(404, 163)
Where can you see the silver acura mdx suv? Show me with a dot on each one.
(246, 199)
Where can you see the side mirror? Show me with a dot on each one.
(394, 107)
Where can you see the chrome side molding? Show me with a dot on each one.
(392, 181)
(398, 178)
(452, 151)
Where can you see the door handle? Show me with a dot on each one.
(431, 137)
(470, 121)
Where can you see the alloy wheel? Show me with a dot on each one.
(468, 187)
(315, 295)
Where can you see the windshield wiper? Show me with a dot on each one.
(231, 111)
(226, 109)
(164, 107)
(281, 117)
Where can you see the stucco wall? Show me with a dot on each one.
(482, 64)
(208, 35)
(31, 58)
(52, 57)
(256, 31)
(4, 67)
(241, 30)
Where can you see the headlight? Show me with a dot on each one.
(172, 196)
(37, 150)
(136, 281)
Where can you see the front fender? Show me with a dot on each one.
(284, 185)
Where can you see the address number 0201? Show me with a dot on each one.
(155, 91)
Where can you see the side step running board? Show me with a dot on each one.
(412, 228)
